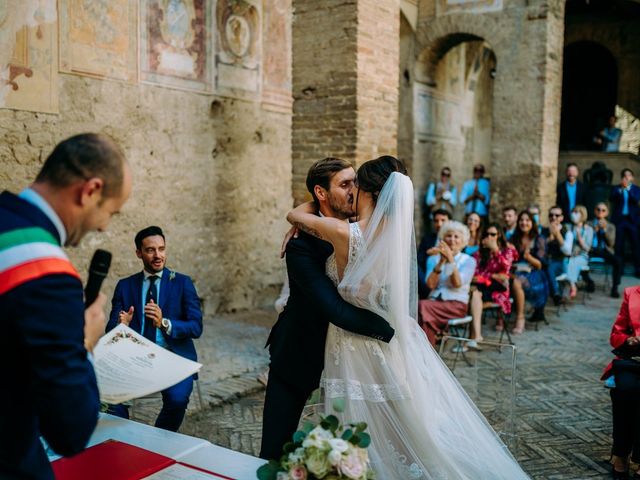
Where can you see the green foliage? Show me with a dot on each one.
(365, 440)
(299, 436)
(269, 471)
(347, 434)
(339, 405)
(330, 422)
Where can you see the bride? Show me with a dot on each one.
(422, 423)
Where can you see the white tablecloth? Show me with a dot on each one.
(183, 448)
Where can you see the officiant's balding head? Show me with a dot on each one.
(330, 182)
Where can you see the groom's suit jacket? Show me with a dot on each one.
(297, 340)
(179, 303)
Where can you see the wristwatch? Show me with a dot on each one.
(165, 324)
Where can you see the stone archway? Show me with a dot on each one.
(453, 110)
(589, 93)
(526, 99)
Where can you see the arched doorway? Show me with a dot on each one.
(589, 93)
(453, 110)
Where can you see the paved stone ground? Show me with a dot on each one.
(559, 426)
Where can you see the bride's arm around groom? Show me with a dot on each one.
(297, 340)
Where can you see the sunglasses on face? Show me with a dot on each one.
(445, 174)
(601, 209)
(555, 215)
(491, 234)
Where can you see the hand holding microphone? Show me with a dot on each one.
(94, 301)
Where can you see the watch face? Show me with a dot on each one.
(165, 323)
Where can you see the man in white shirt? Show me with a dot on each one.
(475, 193)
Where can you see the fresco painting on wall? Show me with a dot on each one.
(98, 38)
(30, 75)
(173, 43)
(444, 7)
(238, 44)
(276, 81)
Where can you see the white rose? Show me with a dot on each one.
(318, 438)
(334, 457)
(317, 462)
(282, 476)
(338, 444)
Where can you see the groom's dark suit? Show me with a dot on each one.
(297, 340)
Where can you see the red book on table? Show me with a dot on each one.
(110, 460)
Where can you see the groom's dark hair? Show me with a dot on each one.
(322, 172)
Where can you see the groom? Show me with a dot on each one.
(297, 340)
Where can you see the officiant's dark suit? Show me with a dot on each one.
(181, 323)
(297, 340)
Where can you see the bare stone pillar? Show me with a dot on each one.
(345, 82)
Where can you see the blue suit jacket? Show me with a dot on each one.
(617, 203)
(49, 386)
(178, 301)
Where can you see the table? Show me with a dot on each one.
(183, 448)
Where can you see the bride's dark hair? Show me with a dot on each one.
(373, 174)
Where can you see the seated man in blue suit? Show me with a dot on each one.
(162, 305)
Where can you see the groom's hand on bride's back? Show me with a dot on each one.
(292, 233)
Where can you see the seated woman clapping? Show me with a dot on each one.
(449, 274)
(583, 240)
(494, 260)
(530, 281)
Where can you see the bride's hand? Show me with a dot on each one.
(292, 233)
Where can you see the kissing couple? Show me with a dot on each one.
(350, 326)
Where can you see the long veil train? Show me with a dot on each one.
(423, 424)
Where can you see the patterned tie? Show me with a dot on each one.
(152, 294)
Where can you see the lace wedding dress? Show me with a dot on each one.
(422, 423)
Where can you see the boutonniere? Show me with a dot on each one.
(172, 275)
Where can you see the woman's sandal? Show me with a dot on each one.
(517, 330)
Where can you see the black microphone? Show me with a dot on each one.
(98, 271)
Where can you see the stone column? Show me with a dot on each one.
(345, 82)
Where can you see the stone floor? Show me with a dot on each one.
(558, 427)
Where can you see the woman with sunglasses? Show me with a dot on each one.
(530, 282)
(494, 260)
(442, 195)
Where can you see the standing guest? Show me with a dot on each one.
(625, 214)
(609, 137)
(475, 193)
(442, 195)
(583, 239)
(534, 210)
(494, 261)
(604, 238)
(449, 274)
(426, 248)
(49, 383)
(530, 282)
(163, 306)
(474, 224)
(510, 218)
(559, 246)
(571, 192)
(625, 338)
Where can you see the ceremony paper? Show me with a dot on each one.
(181, 472)
(129, 366)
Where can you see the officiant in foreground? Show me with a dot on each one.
(49, 383)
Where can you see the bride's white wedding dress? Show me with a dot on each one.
(422, 423)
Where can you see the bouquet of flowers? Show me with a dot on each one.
(328, 451)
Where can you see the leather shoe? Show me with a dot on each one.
(615, 293)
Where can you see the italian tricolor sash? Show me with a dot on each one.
(30, 253)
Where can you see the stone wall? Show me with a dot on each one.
(621, 36)
(213, 171)
(345, 82)
(526, 38)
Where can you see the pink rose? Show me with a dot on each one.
(298, 472)
(352, 465)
